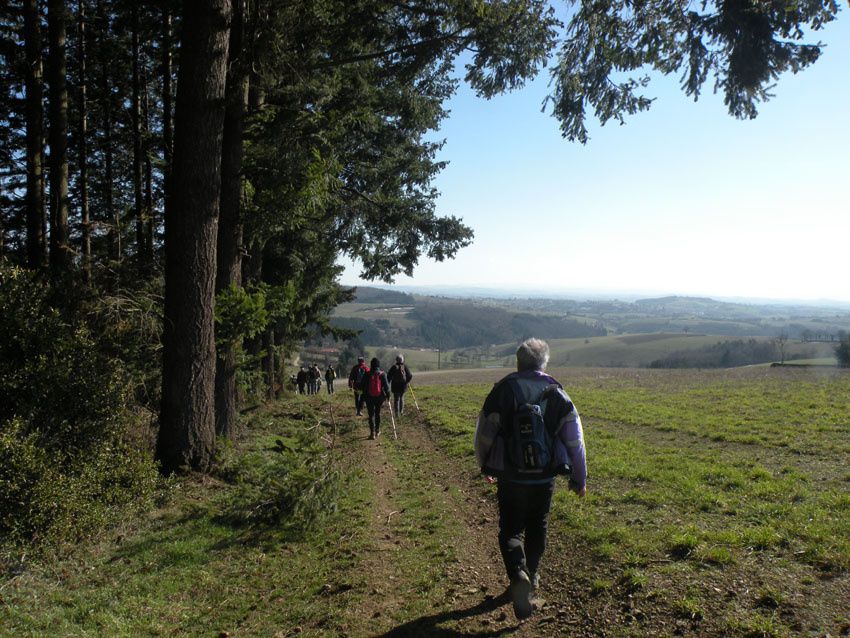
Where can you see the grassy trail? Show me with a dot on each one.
(684, 533)
(411, 551)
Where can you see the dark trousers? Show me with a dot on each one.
(398, 401)
(523, 511)
(359, 400)
(330, 385)
(373, 404)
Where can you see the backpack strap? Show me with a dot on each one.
(519, 394)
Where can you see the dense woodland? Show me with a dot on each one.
(179, 178)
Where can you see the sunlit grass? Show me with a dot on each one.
(659, 455)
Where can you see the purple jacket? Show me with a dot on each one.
(569, 438)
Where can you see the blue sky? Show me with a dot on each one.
(683, 199)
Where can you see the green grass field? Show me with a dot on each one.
(718, 505)
(698, 480)
(618, 351)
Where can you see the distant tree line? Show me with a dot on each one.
(455, 325)
(723, 354)
(366, 294)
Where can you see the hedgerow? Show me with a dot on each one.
(67, 467)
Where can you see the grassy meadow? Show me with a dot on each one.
(726, 494)
(718, 505)
(617, 351)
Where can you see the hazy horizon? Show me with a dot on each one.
(682, 199)
(472, 290)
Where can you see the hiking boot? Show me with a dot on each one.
(520, 590)
(377, 433)
(535, 581)
(371, 436)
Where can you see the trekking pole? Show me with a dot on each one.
(392, 418)
(415, 402)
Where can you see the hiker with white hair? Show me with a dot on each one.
(399, 376)
(528, 433)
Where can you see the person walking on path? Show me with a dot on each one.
(301, 380)
(355, 380)
(399, 376)
(376, 389)
(528, 432)
(315, 378)
(330, 375)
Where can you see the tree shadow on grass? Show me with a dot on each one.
(430, 626)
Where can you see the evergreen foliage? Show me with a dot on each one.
(724, 354)
(842, 353)
(291, 487)
(67, 461)
(745, 45)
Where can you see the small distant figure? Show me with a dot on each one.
(301, 379)
(330, 375)
(355, 380)
(399, 376)
(376, 389)
(315, 378)
(528, 432)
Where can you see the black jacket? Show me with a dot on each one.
(399, 376)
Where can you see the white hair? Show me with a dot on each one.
(532, 354)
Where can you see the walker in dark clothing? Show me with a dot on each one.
(375, 389)
(399, 377)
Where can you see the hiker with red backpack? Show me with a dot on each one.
(399, 376)
(528, 433)
(355, 380)
(376, 389)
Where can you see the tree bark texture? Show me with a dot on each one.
(268, 363)
(60, 252)
(150, 217)
(36, 256)
(229, 249)
(138, 203)
(109, 213)
(187, 425)
(167, 135)
(85, 222)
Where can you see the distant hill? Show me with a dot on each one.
(456, 325)
(667, 331)
(366, 294)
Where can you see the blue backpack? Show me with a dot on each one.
(528, 442)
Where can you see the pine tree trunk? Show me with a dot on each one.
(167, 135)
(36, 256)
(109, 213)
(268, 363)
(136, 110)
(229, 248)
(85, 222)
(187, 425)
(60, 253)
(280, 349)
(150, 218)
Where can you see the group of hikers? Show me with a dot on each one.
(309, 379)
(528, 432)
(372, 386)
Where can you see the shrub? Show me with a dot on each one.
(290, 488)
(842, 353)
(66, 468)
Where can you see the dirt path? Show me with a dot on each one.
(472, 600)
